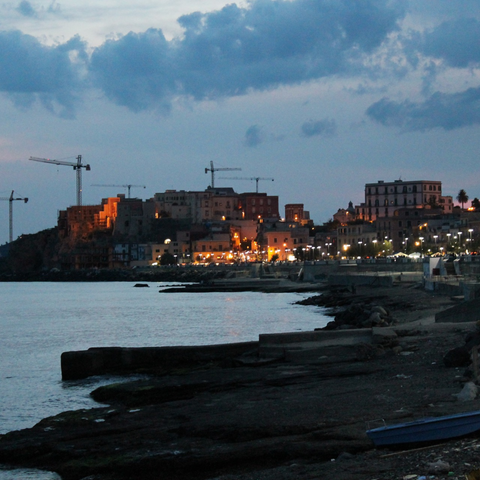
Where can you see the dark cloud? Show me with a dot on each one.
(440, 110)
(26, 9)
(223, 53)
(137, 71)
(457, 42)
(254, 136)
(235, 50)
(315, 128)
(30, 71)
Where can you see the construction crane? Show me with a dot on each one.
(11, 199)
(249, 178)
(213, 170)
(122, 186)
(76, 166)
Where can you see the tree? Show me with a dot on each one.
(476, 203)
(462, 197)
(168, 259)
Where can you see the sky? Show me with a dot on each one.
(323, 96)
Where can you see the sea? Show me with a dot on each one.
(40, 320)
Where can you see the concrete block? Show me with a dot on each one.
(464, 312)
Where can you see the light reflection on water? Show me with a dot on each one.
(39, 321)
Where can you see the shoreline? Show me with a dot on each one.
(286, 416)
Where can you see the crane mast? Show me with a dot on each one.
(212, 169)
(10, 200)
(76, 166)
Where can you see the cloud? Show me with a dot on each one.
(235, 50)
(54, 7)
(26, 9)
(457, 42)
(315, 128)
(440, 110)
(30, 72)
(136, 71)
(254, 136)
(221, 54)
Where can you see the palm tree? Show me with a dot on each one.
(462, 197)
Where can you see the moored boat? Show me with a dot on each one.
(426, 429)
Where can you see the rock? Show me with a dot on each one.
(375, 318)
(438, 467)
(367, 351)
(380, 310)
(457, 357)
(384, 336)
(469, 392)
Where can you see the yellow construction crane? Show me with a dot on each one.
(249, 178)
(121, 186)
(11, 199)
(76, 166)
(213, 170)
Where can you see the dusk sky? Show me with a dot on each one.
(321, 95)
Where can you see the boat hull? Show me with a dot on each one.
(427, 429)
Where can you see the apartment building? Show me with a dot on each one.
(82, 219)
(254, 206)
(383, 198)
(295, 212)
(282, 239)
(355, 235)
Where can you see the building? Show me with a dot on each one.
(294, 212)
(345, 215)
(134, 217)
(80, 220)
(254, 206)
(283, 239)
(383, 198)
(356, 237)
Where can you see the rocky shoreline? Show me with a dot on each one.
(299, 415)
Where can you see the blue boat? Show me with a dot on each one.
(426, 429)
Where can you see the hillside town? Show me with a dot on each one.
(221, 226)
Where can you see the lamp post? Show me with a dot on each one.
(421, 245)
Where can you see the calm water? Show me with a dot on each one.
(39, 321)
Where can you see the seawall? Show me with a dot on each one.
(120, 360)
